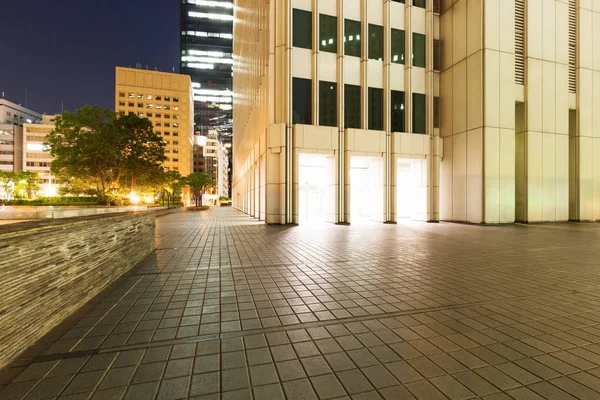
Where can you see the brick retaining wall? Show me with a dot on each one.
(48, 271)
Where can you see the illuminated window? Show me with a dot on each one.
(167, 107)
(327, 103)
(141, 115)
(175, 108)
(397, 114)
(175, 125)
(175, 116)
(302, 25)
(175, 150)
(352, 44)
(158, 106)
(140, 96)
(149, 105)
(397, 46)
(131, 95)
(328, 31)
(149, 97)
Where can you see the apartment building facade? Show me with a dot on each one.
(166, 100)
(12, 118)
(36, 156)
(459, 110)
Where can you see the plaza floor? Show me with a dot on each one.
(229, 308)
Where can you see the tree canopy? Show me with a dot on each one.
(104, 149)
(199, 183)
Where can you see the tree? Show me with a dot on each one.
(8, 182)
(199, 182)
(97, 145)
(28, 182)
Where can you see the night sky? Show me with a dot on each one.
(67, 50)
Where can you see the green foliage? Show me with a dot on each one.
(7, 182)
(56, 201)
(224, 198)
(199, 183)
(27, 183)
(100, 151)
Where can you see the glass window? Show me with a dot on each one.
(328, 31)
(148, 114)
(398, 1)
(418, 113)
(166, 124)
(302, 35)
(175, 134)
(140, 96)
(167, 107)
(352, 43)
(131, 95)
(148, 97)
(175, 125)
(376, 109)
(352, 104)
(419, 3)
(140, 105)
(176, 99)
(167, 134)
(301, 101)
(157, 115)
(437, 6)
(418, 50)
(131, 104)
(175, 143)
(375, 42)
(167, 98)
(397, 46)
(122, 103)
(121, 94)
(327, 103)
(167, 116)
(158, 97)
(397, 113)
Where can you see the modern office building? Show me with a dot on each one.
(458, 110)
(166, 100)
(206, 55)
(12, 118)
(36, 156)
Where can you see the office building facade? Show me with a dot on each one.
(206, 55)
(36, 156)
(476, 111)
(12, 118)
(166, 100)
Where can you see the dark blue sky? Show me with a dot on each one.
(67, 50)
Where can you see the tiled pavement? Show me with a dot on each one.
(230, 308)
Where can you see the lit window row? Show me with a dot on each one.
(302, 37)
(149, 97)
(208, 34)
(302, 102)
(211, 3)
(218, 17)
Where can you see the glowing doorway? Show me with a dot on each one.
(366, 189)
(411, 194)
(315, 188)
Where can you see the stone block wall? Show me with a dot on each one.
(48, 271)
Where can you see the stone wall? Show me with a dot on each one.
(49, 270)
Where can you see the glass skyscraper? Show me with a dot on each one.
(206, 55)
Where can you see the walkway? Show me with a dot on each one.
(230, 308)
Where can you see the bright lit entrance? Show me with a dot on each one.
(316, 180)
(366, 189)
(411, 195)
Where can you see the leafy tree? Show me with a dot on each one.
(28, 182)
(170, 186)
(199, 182)
(96, 145)
(8, 182)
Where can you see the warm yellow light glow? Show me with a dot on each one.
(148, 199)
(50, 191)
(134, 198)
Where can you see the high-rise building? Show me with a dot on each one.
(12, 118)
(457, 110)
(166, 100)
(206, 56)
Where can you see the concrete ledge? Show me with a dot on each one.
(50, 269)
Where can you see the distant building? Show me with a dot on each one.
(12, 118)
(166, 100)
(206, 42)
(36, 156)
(223, 169)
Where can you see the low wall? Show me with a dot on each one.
(49, 270)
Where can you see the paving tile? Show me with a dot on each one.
(315, 365)
(354, 382)
(176, 388)
(234, 379)
(299, 390)
(451, 388)
(425, 391)
(327, 386)
(263, 375)
(268, 392)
